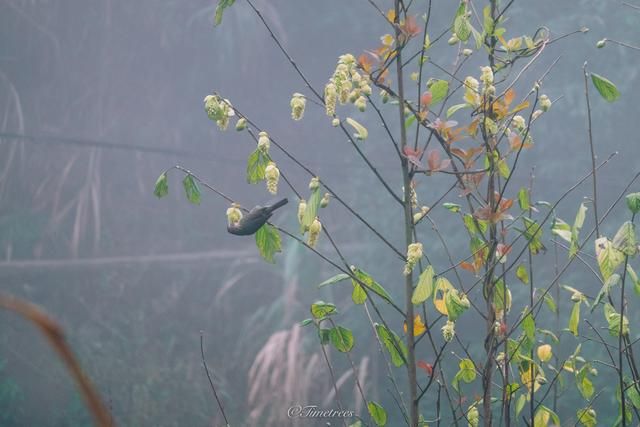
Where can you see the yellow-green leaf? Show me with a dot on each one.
(268, 242)
(605, 87)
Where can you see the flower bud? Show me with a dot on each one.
(545, 103)
(417, 217)
(601, 43)
(467, 52)
(302, 207)
(453, 40)
(385, 96)
(272, 175)
(486, 75)
(314, 184)
(361, 103)
(414, 253)
(519, 122)
(234, 214)
(544, 352)
(365, 89)
(263, 142)
(298, 102)
(325, 200)
(335, 122)
(314, 231)
(536, 114)
(241, 124)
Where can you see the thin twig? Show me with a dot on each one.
(213, 388)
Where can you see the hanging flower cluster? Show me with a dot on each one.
(234, 214)
(219, 110)
(272, 175)
(346, 85)
(264, 142)
(449, 330)
(298, 102)
(414, 253)
(314, 231)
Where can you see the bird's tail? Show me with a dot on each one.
(278, 204)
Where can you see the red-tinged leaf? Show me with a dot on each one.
(413, 156)
(410, 26)
(445, 164)
(503, 249)
(425, 99)
(426, 367)
(433, 159)
(366, 61)
(468, 266)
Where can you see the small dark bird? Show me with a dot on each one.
(252, 221)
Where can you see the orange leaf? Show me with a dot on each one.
(509, 96)
(427, 367)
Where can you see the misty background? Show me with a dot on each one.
(97, 98)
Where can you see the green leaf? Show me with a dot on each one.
(584, 384)
(488, 22)
(456, 304)
(359, 296)
(604, 291)
(377, 412)
(361, 132)
(409, 121)
(561, 229)
(466, 373)
(452, 110)
(520, 404)
(605, 87)
(222, 5)
(371, 284)
(548, 299)
(613, 318)
(609, 258)
(523, 199)
(501, 296)
(574, 318)
(256, 164)
(625, 239)
(335, 279)
(522, 274)
(341, 338)
(462, 28)
(162, 186)
(452, 207)
(311, 211)
(394, 345)
(439, 90)
(268, 242)
(587, 417)
(634, 396)
(424, 289)
(533, 233)
(321, 309)
(575, 230)
(191, 189)
(306, 322)
(634, 278)
(323, 334)
(529, 328)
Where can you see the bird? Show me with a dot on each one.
(256, 218)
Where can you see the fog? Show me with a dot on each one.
(97, 98)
